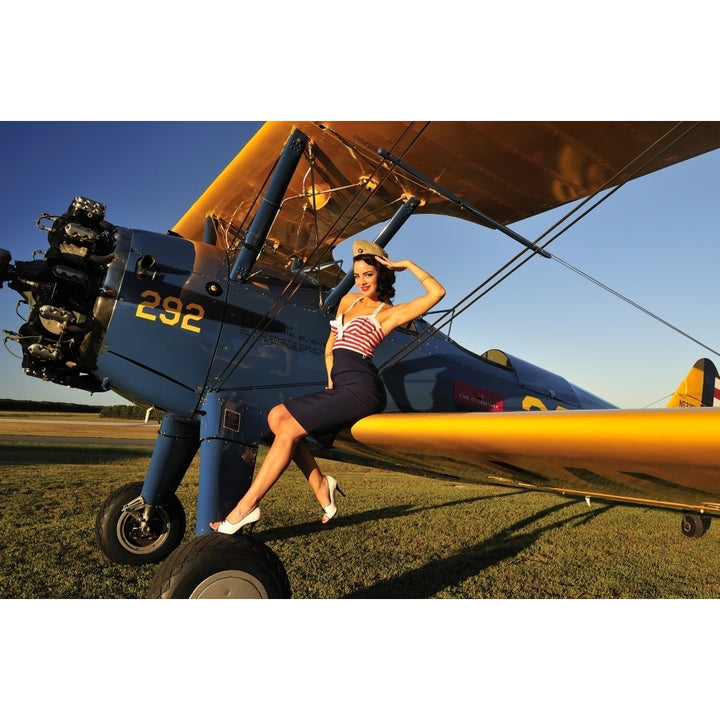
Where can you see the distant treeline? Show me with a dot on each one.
(46, 406)
(113, 411)
(133, 412)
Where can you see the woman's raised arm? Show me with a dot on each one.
(405, 312)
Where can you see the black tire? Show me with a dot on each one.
(119, 535)
(694, 525)
(221, 566)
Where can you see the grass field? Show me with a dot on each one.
(397, 535)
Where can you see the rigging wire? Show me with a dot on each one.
(634, 304)
(659, 400)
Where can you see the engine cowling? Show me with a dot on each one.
(61, 334)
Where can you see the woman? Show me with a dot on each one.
(354, 389)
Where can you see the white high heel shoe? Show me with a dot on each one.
(228, 528)
(331, 509)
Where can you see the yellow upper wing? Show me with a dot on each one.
(507, 170)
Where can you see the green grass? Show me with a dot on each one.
(397, 536)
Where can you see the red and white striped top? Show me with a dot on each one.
(361, 334)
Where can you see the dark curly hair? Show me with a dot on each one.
(386, 278)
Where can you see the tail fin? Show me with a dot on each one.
(701, 387)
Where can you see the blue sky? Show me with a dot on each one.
(655, 241)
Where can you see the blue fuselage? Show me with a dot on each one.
(177, 327)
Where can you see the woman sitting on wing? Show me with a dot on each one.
(354, 388)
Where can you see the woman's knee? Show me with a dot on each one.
(281, 422)
(275, 417)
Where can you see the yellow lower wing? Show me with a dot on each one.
(667, 457)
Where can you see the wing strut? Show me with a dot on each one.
(459, 201)
(382, 239)
(265, 216)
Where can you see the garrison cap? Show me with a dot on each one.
(363, 247)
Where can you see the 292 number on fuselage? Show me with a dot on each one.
(170, 310)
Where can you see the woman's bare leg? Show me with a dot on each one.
(305, 460)
(287, 434)
(320, 483)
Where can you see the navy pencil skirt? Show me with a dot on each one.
(357, 392)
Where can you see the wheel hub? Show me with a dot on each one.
(230, 584)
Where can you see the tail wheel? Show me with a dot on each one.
(221, 566)
(133, 536)
(694, 525)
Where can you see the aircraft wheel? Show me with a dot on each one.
(221, 566)
(694, 525)
(125, 538)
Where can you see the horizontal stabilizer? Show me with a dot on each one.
(701, 387)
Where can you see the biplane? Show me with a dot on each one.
(225, 315)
